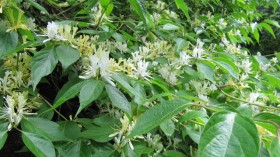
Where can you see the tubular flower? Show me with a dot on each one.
(15, 109)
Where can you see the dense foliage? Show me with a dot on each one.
(88, 78)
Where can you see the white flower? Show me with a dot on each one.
(142, 69)
(52, 32)
(15, 109)
(253, 97)
(184, 58)
(246, 66)
(274, 60)
(121, 46)
(203, 97)
(254, 25)
(198, 50)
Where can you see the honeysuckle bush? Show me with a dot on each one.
(139, 78)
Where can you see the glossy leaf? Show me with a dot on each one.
(229, 134)
(38, 145)
(154, 116)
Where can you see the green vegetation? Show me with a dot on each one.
(90, 78)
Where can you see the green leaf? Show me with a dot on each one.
(23, 46)
(229, 134)
(89, 92)
(8, 41)
(206, 71)
(269, 117)
(3, 134)
(274, 149)
(170, 27)
(192, 115)
(43, 64)
(227, 66)
(268, 28)
(70, 129)
(167, 127)
(38, 6)
(256, 35)
(273, 80)
(156, 115)
(183, 6)
(173, 153)
(125, 85)
(138, 7)
(104, 3)
(38, 145)
(45, 128)
(66, 55)
(272, 22)
(118, 99)
(67, 92)
(180, 43)
(99, 133)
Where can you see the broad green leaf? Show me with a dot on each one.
(170, 27)
(272, 22)
(183, 6)
(256, 35)
(138, 7)
(273, 79)
(274, 149)
(206, 71)
(268, 28)
(38, 145)
(104, 3)
(43, 64)
(192, 115)
(45, 128)
(3, 134)
(173, 153)
(125, 85)
(21, 47)
(180, 43)
(118, 99)
(38, 6)
(73, 150)
(229, 134)
(8, 41)
(89, 92)
(268, 117)
(99, 133)
(167, 127)
(106, 120)
(192, 133)
(66, 55)
(67, 92)
(70, 129)
(154, 116)
(227, 66)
